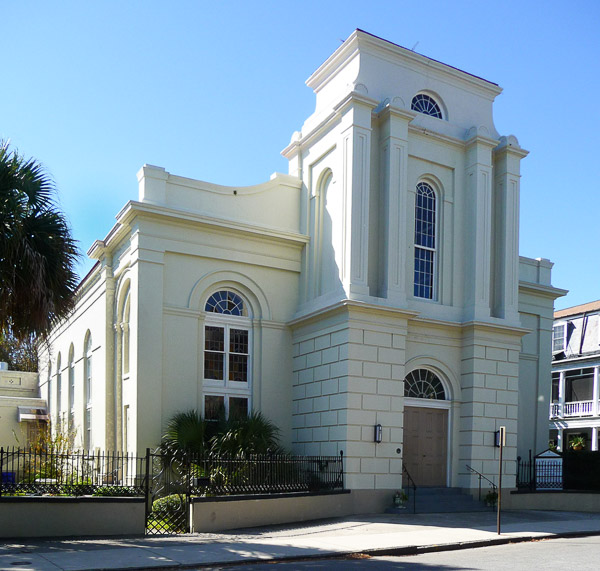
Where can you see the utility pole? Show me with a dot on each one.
(502, 440)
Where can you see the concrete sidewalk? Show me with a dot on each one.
(375, 534)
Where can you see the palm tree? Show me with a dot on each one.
(37, 251)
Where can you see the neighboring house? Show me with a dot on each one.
(575, 407)
(22, 411)
(378, 283)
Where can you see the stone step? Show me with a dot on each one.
(440, 500)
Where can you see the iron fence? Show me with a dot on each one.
(265, 474)
(77, 473)
(72, 473)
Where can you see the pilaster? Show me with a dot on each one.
(394, 155)
(479, 233)
(507, 158)
(355, 135)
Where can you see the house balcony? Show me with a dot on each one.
(575, 409)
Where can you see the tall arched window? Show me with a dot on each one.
(227, 363)
(87, 367)
(58, 389)
(71, 407)
(425, 242)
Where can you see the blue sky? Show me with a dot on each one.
(214, 91)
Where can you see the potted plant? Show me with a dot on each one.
(400, 498)
(577, 443)
(491, 498)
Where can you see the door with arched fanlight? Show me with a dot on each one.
(425, 446)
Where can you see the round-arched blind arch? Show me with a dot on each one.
(226, 302)
(423, 384)
(423, 103)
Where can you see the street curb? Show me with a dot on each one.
(391, 551)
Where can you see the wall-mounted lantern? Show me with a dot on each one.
(378, 433)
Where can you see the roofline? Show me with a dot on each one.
(427, 57)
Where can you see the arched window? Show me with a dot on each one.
(425, 241)
(423, 103)
(58, 388)
(87, 389)
(71, 388)
(423, 384)
(227, 363)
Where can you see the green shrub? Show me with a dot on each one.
(163, 507)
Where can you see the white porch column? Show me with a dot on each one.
(561, 393)
(559, 440)
(594, 438)
(595, 392)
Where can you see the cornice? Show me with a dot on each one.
(349, 304)
(418, 130)
(544, 290)
(135, 208)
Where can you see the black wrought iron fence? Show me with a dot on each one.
(265, 474)
(73, 473)
(77, 473)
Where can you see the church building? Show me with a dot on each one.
(371, 300)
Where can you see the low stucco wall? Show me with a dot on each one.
(570, 501)
(60, 517)
(232, 512)
(218, 514)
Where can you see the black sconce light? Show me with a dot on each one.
(378, 433)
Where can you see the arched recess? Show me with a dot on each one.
(71, 403)
(58, 388)
(88, 380)
(122, 359)
(235, 281)
(429, 394)
(325, 236)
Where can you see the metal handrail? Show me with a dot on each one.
(494, 487)
(414, 487)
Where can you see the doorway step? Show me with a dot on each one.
(440, 500)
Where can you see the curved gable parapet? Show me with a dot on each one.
(274, 203)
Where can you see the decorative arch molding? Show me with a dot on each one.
(235, 281)
(449, 381)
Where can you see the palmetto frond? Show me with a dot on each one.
(37, 252)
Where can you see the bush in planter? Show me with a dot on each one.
(491, 498)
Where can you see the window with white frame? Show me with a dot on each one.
(559, 338)
(425, 242)
(87, 413)
(227, 356)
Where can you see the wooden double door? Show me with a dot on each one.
(425, 447)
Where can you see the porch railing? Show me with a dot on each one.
(571, 409)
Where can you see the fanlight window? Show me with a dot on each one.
(423, 103)
(423, 384)
(226, 303)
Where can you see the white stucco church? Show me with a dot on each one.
(377, 283)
